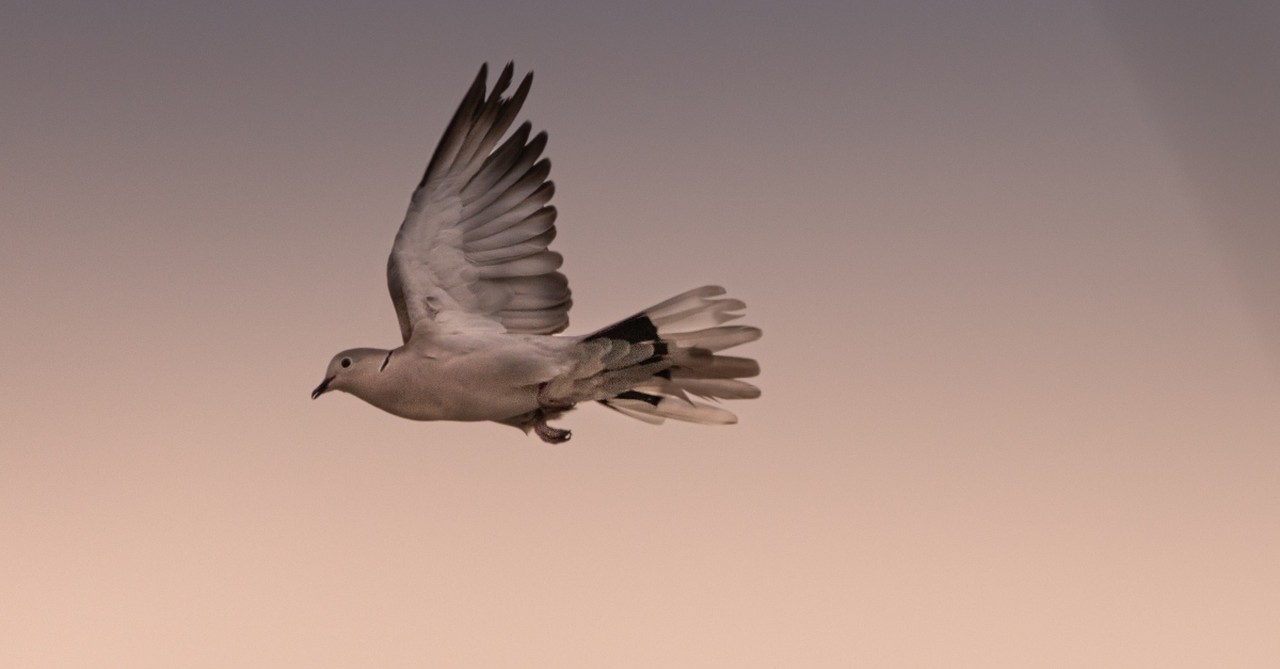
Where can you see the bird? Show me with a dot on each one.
(482, 304)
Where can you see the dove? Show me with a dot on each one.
(481, 303)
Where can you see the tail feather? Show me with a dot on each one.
(714, 339)
(674, 407)
(717, 367)
(715, 389)
(632, 413)
(684, 334)
(696, 298)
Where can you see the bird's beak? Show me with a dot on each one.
(322, 388)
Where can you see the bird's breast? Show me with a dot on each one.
(465, 388)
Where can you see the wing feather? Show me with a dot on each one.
(525, 186)
(538, 223)
(544, 262)
(456, 132)
(498, 163)
(512, 172)
(472, 251)
(492, 220)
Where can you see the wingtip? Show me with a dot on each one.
(475, 94)
(523, 89)
(504, 79)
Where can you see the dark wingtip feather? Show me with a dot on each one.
(454, 133)
(538, 143)
(522, 91)
(504, 79)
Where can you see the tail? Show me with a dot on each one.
(678, 341)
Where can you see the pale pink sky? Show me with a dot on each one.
(1014, 263)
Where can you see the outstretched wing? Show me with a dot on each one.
(472, 251)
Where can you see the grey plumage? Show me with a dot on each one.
(480, 299)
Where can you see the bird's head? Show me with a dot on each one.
(348, 368)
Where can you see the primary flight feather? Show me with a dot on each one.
(480, 301)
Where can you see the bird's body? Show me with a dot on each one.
(493, 376)
(480, 303)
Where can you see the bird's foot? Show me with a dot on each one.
(551, 435)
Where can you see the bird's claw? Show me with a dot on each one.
(551, 435)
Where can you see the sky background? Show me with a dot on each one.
(1015, 263)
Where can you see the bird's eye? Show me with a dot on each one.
(346, 362)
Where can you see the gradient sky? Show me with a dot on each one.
(1015, 264)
